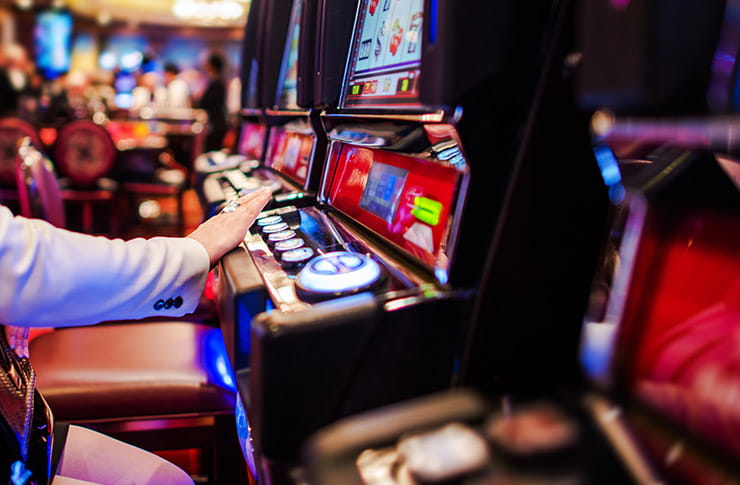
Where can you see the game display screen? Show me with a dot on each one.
(287, 90)
(382, 190)
(52, 39)
(289, 153)
(385, 61)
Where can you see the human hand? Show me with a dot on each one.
(17, 338)
(224, 231)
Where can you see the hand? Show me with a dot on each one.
(223, 232)
(17, 338)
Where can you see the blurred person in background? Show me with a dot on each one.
(213, 101)
(143, 93)
(19, 67)
(8, 94)
(176, 92)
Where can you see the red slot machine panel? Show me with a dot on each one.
(684, 314)
(290, 153)
(405, 199)
(676, 347)
(252, 140)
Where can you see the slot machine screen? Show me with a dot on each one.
(385, 61)
(287, 90)
(52, 39)
(383, 189)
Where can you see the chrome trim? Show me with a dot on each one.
(279, 286)
(608, 417)
(719, 132)
(636, 204)
(323, 195)
(437, 116)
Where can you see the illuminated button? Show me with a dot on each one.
(297, 256)
(288, 245)
(281, 236)
(338, 272)
(269, 220)
(273, 228)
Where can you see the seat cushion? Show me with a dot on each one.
(135, 369)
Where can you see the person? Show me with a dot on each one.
(213, 101)
(8, 93)
(177, 93)
(144, 90)
(52, 276)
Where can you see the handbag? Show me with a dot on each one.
(26, 425)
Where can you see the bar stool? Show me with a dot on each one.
(117, 377)
(84, 153)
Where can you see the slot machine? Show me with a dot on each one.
(266, 153)
(658, 347)
(285, 137)
(362, 298)
(657, 343)
(664, 308)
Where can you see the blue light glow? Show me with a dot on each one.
(216, 361)
(433, 16)
(610, 172)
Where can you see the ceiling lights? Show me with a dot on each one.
(210, 12)
(203, 13)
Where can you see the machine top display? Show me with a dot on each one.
(385, 59)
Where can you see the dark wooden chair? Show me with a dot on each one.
(85, 154)
(160, 384)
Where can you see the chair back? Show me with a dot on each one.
(84, 152)
(11, 131)
(38, 188)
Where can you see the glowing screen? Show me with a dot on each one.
(386, 54)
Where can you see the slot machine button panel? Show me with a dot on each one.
(275, 228)
(289, 245)
(297, 257)
(269, 220)
(276, 237)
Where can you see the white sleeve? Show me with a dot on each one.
(55, 277)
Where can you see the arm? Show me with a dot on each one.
(51, 276)
(54, 277)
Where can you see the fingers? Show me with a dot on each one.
(252, 204)
(223, 232)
